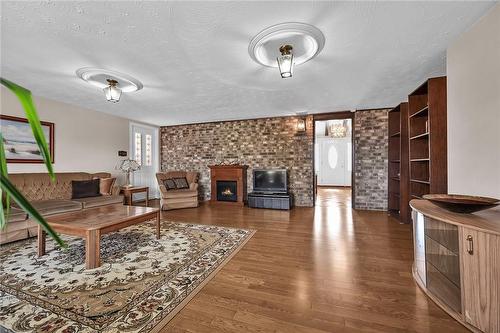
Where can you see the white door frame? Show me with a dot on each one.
(153, 192)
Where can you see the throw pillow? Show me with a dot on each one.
(169, 184)
(106, 185)
(85, 188)
(181, 183)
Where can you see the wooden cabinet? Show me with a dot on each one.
(398, 180)
(457, 263)
(417, 147)
(481, 279)
(427, 138)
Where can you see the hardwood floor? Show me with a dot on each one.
(322, 269)
(330, 196)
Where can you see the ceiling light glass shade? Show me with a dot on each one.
(285, 65)
(112, 93)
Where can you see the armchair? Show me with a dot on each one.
(174, 199)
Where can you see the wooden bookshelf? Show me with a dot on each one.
(427, 139)
(398, 163)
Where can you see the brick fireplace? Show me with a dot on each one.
(228, 184)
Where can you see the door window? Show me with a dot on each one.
(333, 157)
(149, 151)
(138, 148)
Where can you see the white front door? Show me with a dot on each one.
(144, 150)
(334, 162)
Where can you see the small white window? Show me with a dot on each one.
(149, 151)
(333, 157)
(138, 148)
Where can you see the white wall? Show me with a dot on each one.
(85, 140)
(473, 70)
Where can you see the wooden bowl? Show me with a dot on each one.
(462, 203)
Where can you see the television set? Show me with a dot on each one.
(270, 181)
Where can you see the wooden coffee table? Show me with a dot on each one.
(93, 222)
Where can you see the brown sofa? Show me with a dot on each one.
(50, 198)
(183, 198)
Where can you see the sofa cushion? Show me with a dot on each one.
(16, 215)
(184, 193)
(100, 201)
(191, 176)
(181, 183)
(56, 206)
(39, 186)
(13, 232)
(16, 227)
(85, 188)
(169, 184)
(106, 185)
(176, 203)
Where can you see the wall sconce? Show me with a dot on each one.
(301, 125)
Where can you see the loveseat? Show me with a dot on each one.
(178, 198)
(50, 198)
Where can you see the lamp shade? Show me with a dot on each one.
(285, 61)
(112, 93)
(129, 165)
(285, 65)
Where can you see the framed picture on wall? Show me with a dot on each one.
(20, 144)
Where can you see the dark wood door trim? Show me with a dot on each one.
(334, 116)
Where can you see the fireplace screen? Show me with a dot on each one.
(226, 190)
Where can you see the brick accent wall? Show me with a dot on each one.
(370, 168)
(258, 143)
(275, 143)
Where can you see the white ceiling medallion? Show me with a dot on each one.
(301, 41)
(113, 83)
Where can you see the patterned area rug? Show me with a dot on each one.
(141, 283)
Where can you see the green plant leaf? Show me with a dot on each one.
(4, 213)
(24, 96)
(8, 187)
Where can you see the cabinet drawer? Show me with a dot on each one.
(447, 262)
(443, 233)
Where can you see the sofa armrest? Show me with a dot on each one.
(163, 190)
(193, 186)
(115, 190)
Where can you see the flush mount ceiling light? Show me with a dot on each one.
(286, 45)
(113, 83)
(112, 92)
(285, 61)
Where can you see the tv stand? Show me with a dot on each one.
(270, 200)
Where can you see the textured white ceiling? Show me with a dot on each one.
(192, 56)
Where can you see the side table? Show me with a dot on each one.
(128, 193)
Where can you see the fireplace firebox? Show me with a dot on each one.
(228, 184)
(227, 190)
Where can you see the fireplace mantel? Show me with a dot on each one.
(237, 173)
